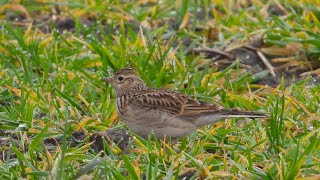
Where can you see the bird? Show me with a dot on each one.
(166, 114)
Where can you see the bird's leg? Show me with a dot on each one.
(174, 141)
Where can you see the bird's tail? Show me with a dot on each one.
(237, 113)
(212, 117)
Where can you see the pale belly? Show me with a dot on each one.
(159, 132)
(162, 125)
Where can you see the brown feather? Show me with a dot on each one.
(173, 103)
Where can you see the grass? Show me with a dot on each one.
(50, 87)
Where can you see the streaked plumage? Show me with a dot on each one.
(166, 113)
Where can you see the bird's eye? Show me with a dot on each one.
(120, 78)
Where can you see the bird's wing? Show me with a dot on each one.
(174, 103)
(185, 108)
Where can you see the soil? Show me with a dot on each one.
(187, 175)
(119, 137)
(249, 60)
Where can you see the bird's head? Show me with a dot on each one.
(125, 80)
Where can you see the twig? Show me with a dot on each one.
(266, 62)
(213, 51)
(250, 47)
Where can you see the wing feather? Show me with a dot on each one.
(174, 103)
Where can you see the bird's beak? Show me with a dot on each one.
(107, 79)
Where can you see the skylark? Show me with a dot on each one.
(165, 113)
